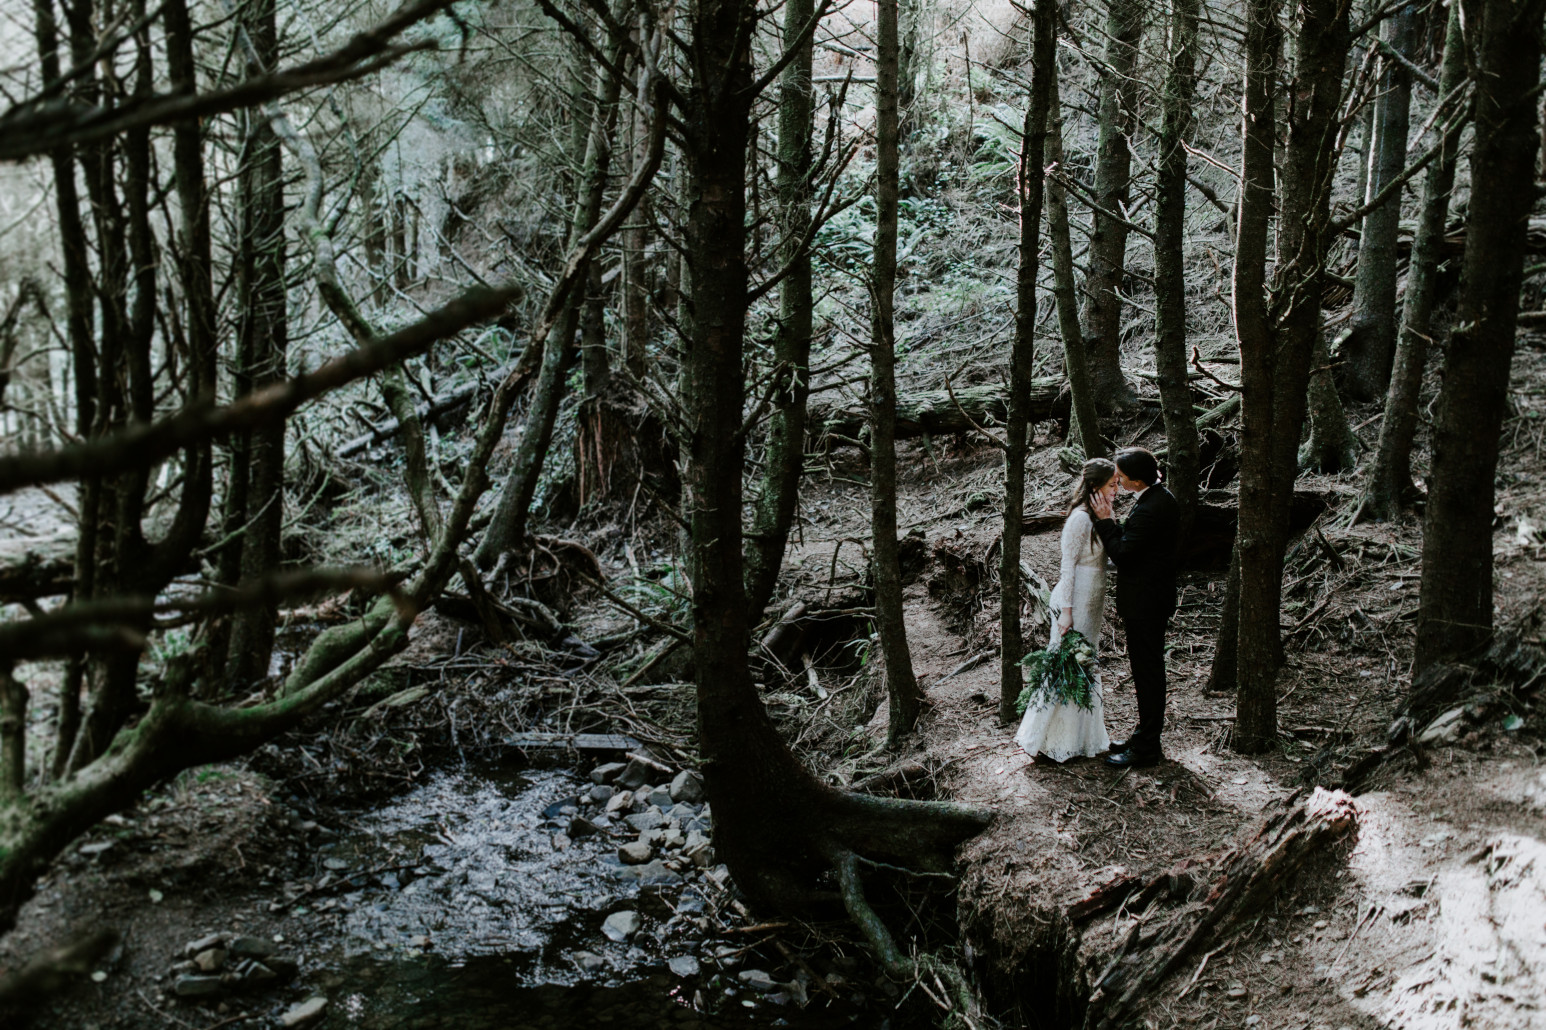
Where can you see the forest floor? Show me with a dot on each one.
(1436, 917)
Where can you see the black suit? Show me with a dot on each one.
(1144, 550)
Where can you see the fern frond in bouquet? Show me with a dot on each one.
(1061, 675)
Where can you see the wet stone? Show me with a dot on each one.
(619, 926)
(210, 960)
(285, 968)
(756, 979)
(303, 1012)
(619, 802)
(253, 973)
(607, 772)
(636, 774)
(580, 826)
(214, 940)
(192, 986)
(683, 965)
(645, 820)
(601, 793)
(656, 872)
(588, 962)
(688, 787)
(661, 798)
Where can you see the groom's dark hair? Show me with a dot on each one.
(1138, 463)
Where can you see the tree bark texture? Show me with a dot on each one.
(255, 500)
(1113, 181)
(1084, 421)
(1170, 351)
(906, 699)
(1033, 145)
(1331, 446)
(507, 531)
(1372, 332)
(1275, 363)
(1455, 613)
(776, 824)
(1390, 475)
(784, 461)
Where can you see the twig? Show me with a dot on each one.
(995, 441)
(1197, 364)
(1200, 967)
(1374, 910)
(664, 627)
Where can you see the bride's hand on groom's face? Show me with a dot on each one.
(1100, 504)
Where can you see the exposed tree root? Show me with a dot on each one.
(1246, 878)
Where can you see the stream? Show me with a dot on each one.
(482, 898)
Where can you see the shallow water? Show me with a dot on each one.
(469, 906)
(483, 994)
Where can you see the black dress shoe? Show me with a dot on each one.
(1125, 743)
(1130, 759)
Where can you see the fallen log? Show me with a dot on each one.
(442, 405)
(34, 567)
(935, 412)
(1243, 881)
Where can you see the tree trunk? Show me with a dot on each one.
(1275, 355)
(1113, 179)
(1224, 673)
(1372, 333)
(255, 507)
(1390, 476)
(636, 291)
(507, 531)
(1455, 613)
(80, 332)
(776, 825)
(1184, 460)
(1033, 145)
(595, 363)
(785, 446)
(1084, 423)
(901, 685)
(1332, 447)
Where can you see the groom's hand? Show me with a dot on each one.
(1100, 504)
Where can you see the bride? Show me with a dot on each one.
(1065, 731)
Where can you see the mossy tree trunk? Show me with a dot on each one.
(1275, 358)
(1022, 353)
(776, 825)
(1113, 186)
(254, 509)
(906, 699)
(507, 531)
(1389, 486)
(1185, 452)
(1456, 610)
(1084, 421)
(785, 447)
(1371, 336)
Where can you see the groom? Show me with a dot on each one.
(1144, 549)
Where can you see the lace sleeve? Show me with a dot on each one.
(1076, 537)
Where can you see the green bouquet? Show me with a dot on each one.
(1060, 675)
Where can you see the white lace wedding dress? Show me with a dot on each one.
(1067, 731)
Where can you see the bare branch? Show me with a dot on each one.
(30, 129)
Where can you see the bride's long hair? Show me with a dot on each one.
(1093, 475)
